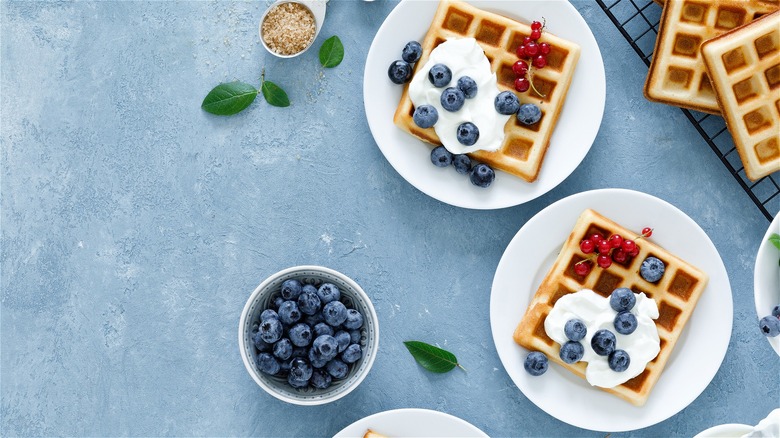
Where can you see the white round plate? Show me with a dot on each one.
(697, 355)
(732, 430)
(766, 278)
(576, 128)
(412, 422)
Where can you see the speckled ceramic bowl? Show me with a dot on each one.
(352, 295)
(766, 279)
(317, 9)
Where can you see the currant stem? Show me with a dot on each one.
(531, 81)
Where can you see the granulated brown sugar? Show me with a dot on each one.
(288, 28)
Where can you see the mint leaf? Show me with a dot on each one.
(274, 94)
(432, 358)
(229, 98)
(331, 52)
(775, 239)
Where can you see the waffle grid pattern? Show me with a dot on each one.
(676, 294)
(524, 147)
(747, 84)
(638, 22)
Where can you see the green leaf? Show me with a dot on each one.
(229, 98)
(775, 239)
(274, 94)
(432, 358)
(331, 52)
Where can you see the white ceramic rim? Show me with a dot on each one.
(725, 431)
(576, 131)
(421, 419)
(245, 313)
(317, 9)
(767, 264)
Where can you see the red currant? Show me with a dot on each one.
(616, 240)
(582, 268)
(536, 34)
(540, 61)
(596, 238)
(520, 68)
(634, 252)
(531, 49)
(604, 246)
(522, 84)
(587, 246)
(521, 51)
(544, 48)
(619, 256)
(647, 231)
(604, 261)
(527, 40)
(628, 245)
(536, 25)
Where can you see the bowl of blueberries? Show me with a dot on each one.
(308, 335)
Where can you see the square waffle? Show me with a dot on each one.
(744, 67)
(676, 294)
(677, 75)
(524, 147)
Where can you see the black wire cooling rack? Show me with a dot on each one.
(638, 21)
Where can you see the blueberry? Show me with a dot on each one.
(268, 314)
(316, 359)
(271, 330)
(283, 349)
(506, 103)
(296, 383)
(320, 379)
(412, 52)
(267, 364)
(300, 369)
(315, 319)
(770, 326)
(528, 114)
(309, 288)
(337, 369)
(284, 367)
(291, 289)
(482, 175)
(652, 269)
(328, 292)
(299, 352)
(289, 313)
(619, 360)
(441, 157)
(776, 311)
(425, 116)
(308, 302)
(260, 344)
(399, 72)
(622, 299)
(468, 86)
(354, 320)
(352, 354)
(278, 302)
(462, 163)
(322, 328)
(255, 327)
(572, 351)
(335, 313)
(354, 336)
(300, 334)
(452, 99)
(536, 363)
(603, 342)
(575, 329)
(344, 339)
(326, 346)
(468, 133)
(625, 323)
(440, 75)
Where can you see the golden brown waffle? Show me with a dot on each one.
(371, 434)
(744, 66)
(676, 294)
(524, 147)
(677, 75)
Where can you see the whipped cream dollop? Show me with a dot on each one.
(642, 346)
(768, 427)
(464, 57)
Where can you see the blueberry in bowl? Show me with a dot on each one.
(315, 347)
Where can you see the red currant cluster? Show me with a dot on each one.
(531, 53)
(616, 248)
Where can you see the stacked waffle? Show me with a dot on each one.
(676, 294)
(719, 57)
(524, 147)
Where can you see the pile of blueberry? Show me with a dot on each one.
(308, 335)
(770, 324)
(603, 342)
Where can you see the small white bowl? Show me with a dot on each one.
(352, 295)
(731, 430)
(317, 9)
(766, 279)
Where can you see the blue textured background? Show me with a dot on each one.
(135, 225)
